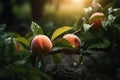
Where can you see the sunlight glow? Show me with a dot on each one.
(76, 1)
(67, 9)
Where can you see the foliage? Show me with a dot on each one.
(16, 64)
(17, 61)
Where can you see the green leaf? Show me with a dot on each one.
(36, 29)
(29, 36)
(117, 11)
(109, 6)
(79, 22)
(61, 42)
(23, 40)
(60, 31)
(10, 46)
(13, 34)
(87, 27)
(2, 27)
(57, 58)
(111, 19)
(92, 38)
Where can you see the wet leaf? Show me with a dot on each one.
(87, 27)
(36, 29)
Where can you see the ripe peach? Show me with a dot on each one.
(96, 20)
(73, 40)
(41, 44)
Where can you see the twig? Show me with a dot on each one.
(76, 31)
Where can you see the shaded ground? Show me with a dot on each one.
(70, 69)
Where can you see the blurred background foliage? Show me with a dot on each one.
(50, 14)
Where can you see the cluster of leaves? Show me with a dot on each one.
(17, 64)
(105, 40)
(15, 58)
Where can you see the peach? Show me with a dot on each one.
(73, 40)
(96, 20)
(41, 44)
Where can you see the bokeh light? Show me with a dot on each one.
(64, 11)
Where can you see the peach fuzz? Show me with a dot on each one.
(41, 44)
(73, 40)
